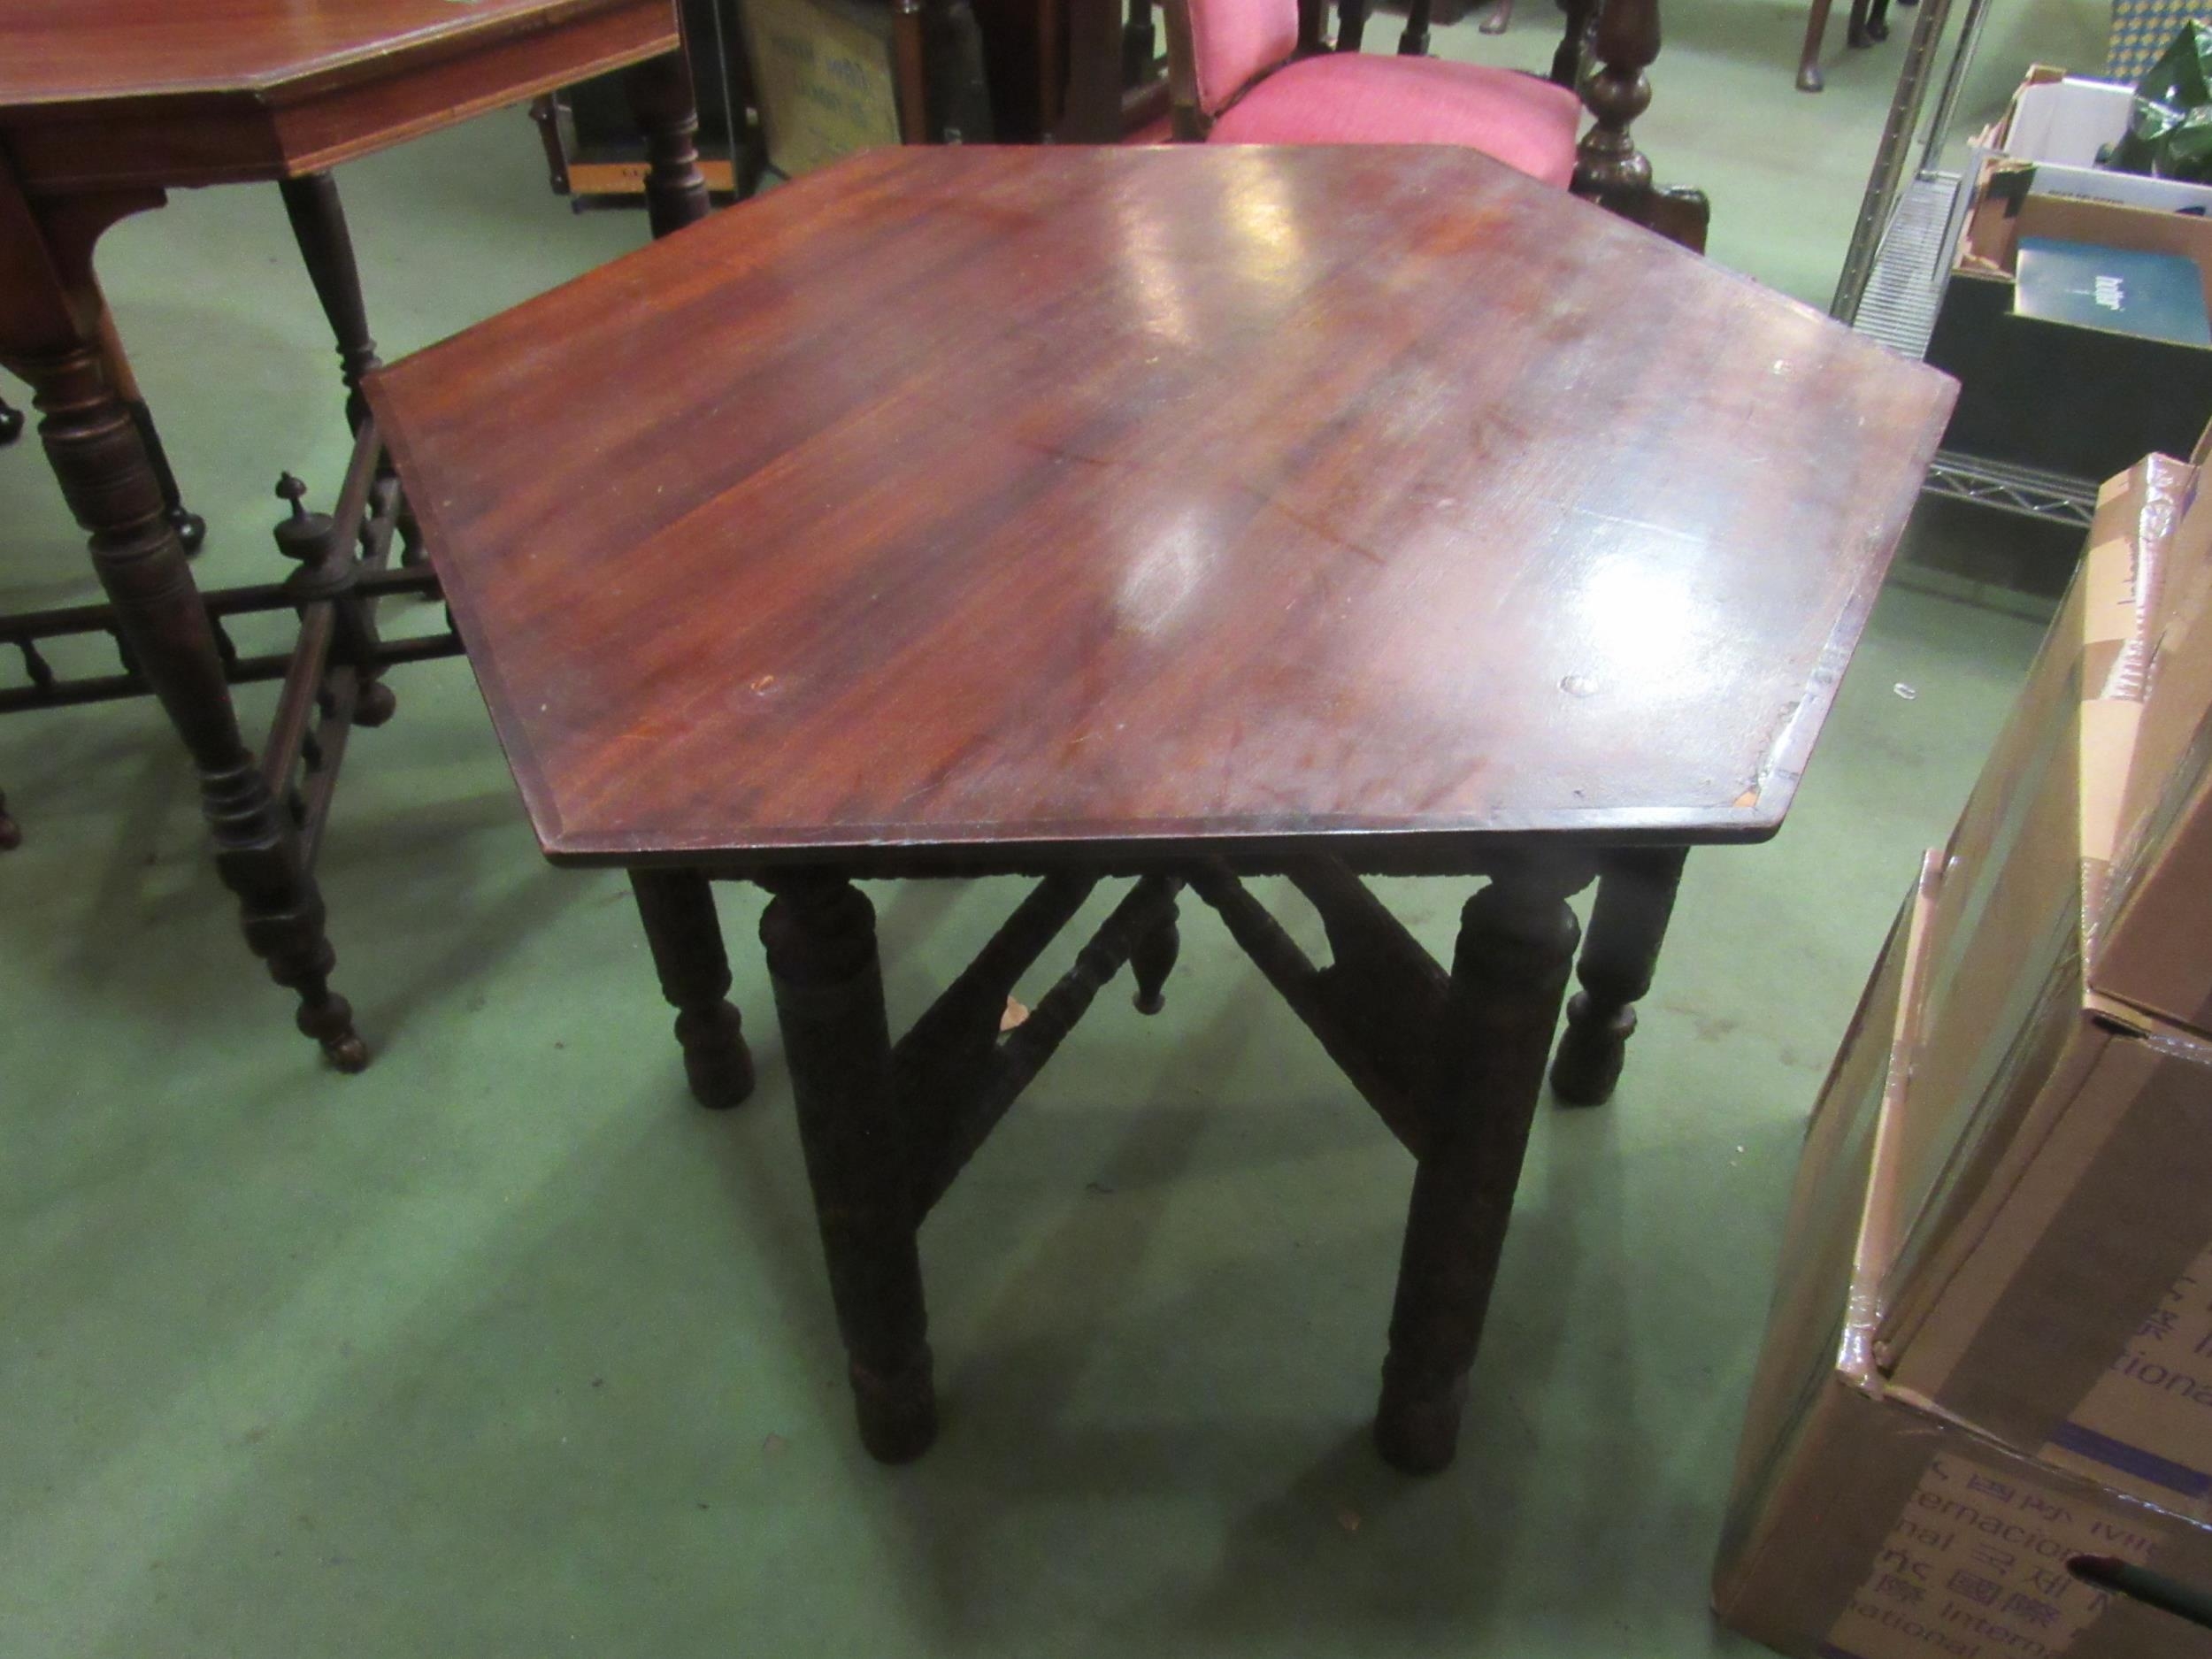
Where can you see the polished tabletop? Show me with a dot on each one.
(54, 51)
(1065, 499)
(114, 96)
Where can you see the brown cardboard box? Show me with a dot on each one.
(2010, 910)
(2051, 1153)
(1876, 1529)
(1830, 1242)
(2156, 948)
(1863, 1523)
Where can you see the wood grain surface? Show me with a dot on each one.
(63, 51)
(1063, 501)
(99, 95)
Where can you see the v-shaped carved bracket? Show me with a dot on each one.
(1453, 1062)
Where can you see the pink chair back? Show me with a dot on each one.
(1231, 41)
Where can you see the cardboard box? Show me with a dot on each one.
(1829, 1243)
(2054, 131)
(2010, 893)
(2084, 402)
(2051, 1154)
(1876, 1529)
(2155, 948)
(1864, 1523)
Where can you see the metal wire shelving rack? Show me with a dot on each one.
(1903, 245)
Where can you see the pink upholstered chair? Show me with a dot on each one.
(1260, 71)
(1255, 72)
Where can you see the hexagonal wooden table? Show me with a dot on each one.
(1181, 514)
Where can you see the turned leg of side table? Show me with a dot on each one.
(11, 422)
(677, 907)
(1517, 940)
(1628, 924)
(325, 245)
(661, 98)
(190, 528)
(318, 226)
(98, 456)
(820, 934)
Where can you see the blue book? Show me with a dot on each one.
(2156, 296)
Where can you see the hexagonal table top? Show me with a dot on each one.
(1098, 499)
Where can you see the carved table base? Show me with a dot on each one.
(265, 811)
(1451, 1060)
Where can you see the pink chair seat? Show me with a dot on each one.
(1359, 99)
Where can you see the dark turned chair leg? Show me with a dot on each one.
(10, 423)
(1808, 76)
(10, 835)
(1869, 22)
(1517, 940)
(1351, 25)
(1413, 40)
(820, 934)
(1628, 924)
(98, 457)
(1153, 960)
(1609, 168)
(1567, 59)
(661, 98)
(681, 926)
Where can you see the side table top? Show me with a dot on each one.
(1065, 499)
(62, 51)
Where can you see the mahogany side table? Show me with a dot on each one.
(1170, 515)
(104, 106)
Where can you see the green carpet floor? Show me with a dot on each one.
(504, 1348)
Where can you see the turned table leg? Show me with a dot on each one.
(1517, 940)
(661, 98)
(1628, 924)
(325, 245)
(11, 422)
(98, 456)
(820, 934)
(677, 907)
(190, 528)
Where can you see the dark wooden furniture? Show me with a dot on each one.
(595, 150)
(1166, 514)
(106, 105)
(1073, 72)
